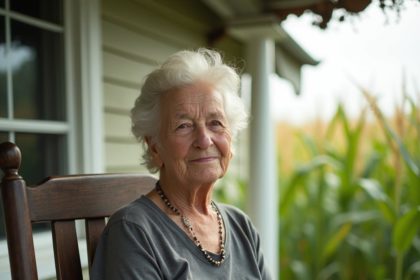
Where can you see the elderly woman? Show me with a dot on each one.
(187, 115)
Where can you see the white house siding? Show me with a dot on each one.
(136, 36)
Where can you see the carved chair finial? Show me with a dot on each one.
(10, 159)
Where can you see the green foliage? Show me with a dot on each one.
(352, 211)
(405, 230)
(231, 190)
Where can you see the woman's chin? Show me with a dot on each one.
(205, 177)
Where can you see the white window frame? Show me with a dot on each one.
(84, 98)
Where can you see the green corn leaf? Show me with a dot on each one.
(371, 164)
(405, 230)
(354, 217)
(392, 136)
(301, 174)
(373, 188)
(413, 271)
(334, 122)
(334, 242)
(309, 144)
(383, 202)
(300, 269)
(404, 153)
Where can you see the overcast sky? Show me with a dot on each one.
(370, 50)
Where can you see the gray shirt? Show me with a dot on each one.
(141, 242)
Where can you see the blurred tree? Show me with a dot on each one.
(324, 9)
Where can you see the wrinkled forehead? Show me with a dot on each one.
(192, 99)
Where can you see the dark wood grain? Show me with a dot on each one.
(94, 228)
(85, 196)
(66, 251)
(60, 200)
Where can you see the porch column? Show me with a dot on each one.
(263, 192)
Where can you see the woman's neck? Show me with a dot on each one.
(189, 198)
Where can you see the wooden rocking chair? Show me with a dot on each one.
(60, 201)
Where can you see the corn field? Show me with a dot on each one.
(350, 196)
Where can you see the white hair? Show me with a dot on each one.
(180, 69)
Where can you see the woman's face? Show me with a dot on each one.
(194, 143)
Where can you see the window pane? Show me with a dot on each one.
(49, 10)
(2, 3)
(3, 138)
(3, 85)
(37, 73)
(42, 155)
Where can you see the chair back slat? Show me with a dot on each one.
(85, 196)
(94, 228)
(66, 251)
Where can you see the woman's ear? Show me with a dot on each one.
(231, 153)
(152, 145)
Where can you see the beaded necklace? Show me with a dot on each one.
(187, 223)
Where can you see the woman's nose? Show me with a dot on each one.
(203, 138)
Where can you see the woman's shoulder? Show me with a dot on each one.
(238, 222)
(138, 212)
(234, 213)
(231, 209)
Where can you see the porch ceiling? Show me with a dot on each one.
(233, 9)
(244, 19)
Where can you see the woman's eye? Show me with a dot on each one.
(183, 126)
(216, 124)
